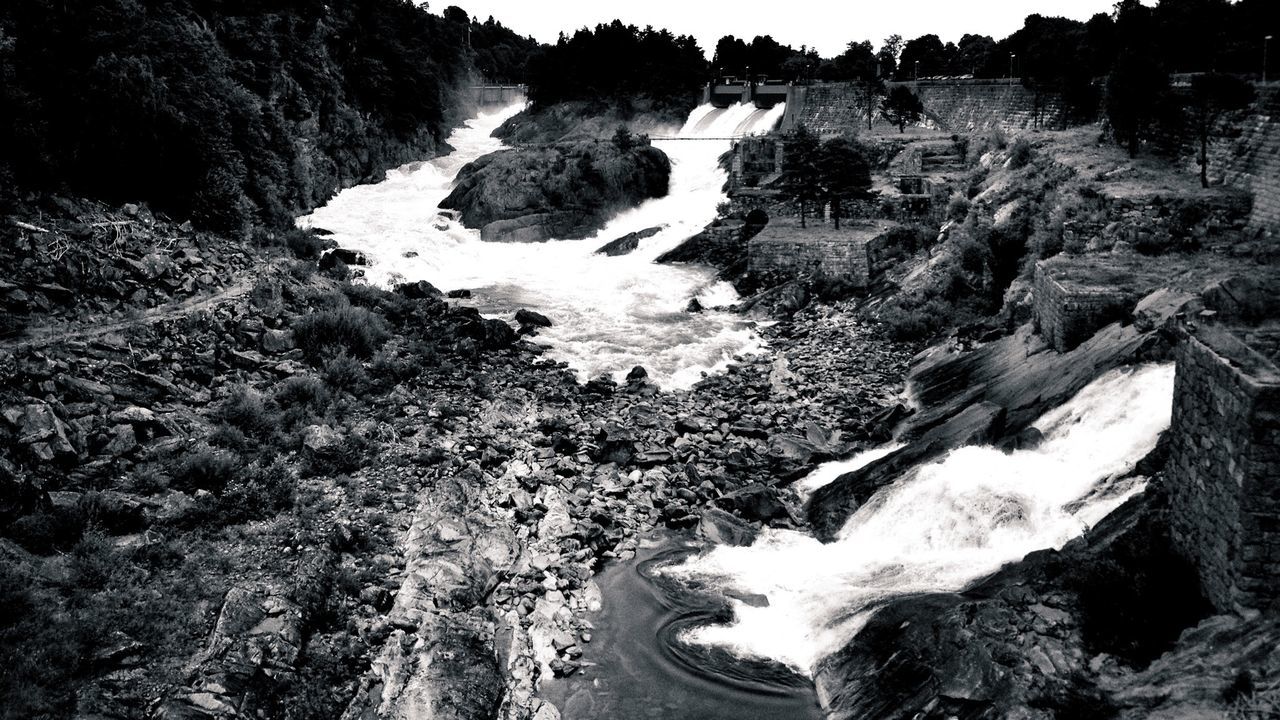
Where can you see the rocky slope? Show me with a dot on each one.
(565, 192)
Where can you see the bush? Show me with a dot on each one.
(303, 393)
(205, 469)
(352, 331)
(958, 208)
(909, 321)
(44, 532)
(306, 245)
(258, 492)
(245, 409)
(1020, 154)
(343, 372)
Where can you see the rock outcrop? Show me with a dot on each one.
(560, 192)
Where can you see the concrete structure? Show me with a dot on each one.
(1223, 472)
(854, 253)
(1067, 313)
(498, 94)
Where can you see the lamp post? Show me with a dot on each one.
(1265, 41)
(1011, 57)
(917, 70)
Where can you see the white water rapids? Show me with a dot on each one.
(610, 313)
(953, 522)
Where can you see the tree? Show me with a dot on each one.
(887, 56)
(858, 64)
(843, 173)
(800, 180)
(928, 52)
(1211, 95)
(902, 107)
(1134, 90)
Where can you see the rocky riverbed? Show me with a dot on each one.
(317, 494)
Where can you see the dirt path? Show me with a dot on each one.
(43, 335)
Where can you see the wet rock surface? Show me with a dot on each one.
(566, 191)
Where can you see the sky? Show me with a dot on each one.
(828, 25)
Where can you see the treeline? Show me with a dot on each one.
(618, 64)
(231, 112)
(1182, 36)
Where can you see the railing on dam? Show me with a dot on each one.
(498, 94)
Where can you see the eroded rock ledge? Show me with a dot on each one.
(563, 192)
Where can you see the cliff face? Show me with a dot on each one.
(563, 192)
(230, 116)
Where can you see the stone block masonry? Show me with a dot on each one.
(1224, 469)
(851, 253)
(1066, 314)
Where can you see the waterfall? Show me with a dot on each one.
(610, 313)
(952, 522)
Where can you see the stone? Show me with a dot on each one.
(628, 242)
(277, 341)
(331, 258)
(41, 431)
(529, 318)
(722, 528)
(755, 502)
(123, 440)
(419, 290)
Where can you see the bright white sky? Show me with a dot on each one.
(828, 25)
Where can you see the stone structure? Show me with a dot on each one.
(1224, 469)
(1067, 313)
(961, 105)
(855, 252)
(1246, 154)
(498, 94)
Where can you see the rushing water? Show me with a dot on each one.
(610, 313)
(795, 600)
(635, 669)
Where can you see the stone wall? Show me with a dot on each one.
(852, 253)
(1245, 153)
(1066, 314)
(951, 105)
(1224, 469)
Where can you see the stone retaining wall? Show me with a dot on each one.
(1066, 314)
(1224, 470)
(952, 105)
(852, 253)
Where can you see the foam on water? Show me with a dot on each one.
(954, 521)
(610, 313)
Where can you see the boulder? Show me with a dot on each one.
(528, 318)
(45, 436)
(419, 290)
(330, 259)
(628, 242)
(755, 502)
(722, 528)
(277, 341)
(322, 443)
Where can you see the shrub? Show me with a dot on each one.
(1020, 154)
(258, 492)
(908, 320)
(305, 245)
(204, 469)
(93, 562)
(302, 394)
(343, 372)
(958, 208)
(244, 409)
(44, 532)
(351, 330)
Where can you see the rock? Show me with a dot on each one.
(329, 259)
(722, 528)
(780, 302)
(45, 436)
(277, 341)
(144, 422)
(419, 290)
(323, 443)
(628, 242)
(532, 194)
(122, 441)
(755, 502)
(529, 318)
(459, 294)
(637, 373)
(694, 306)
(615, 444)
(1156, 309)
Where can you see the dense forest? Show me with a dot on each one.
(615, 64)
(232, 112)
